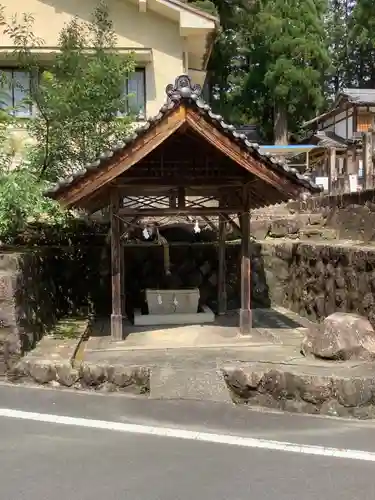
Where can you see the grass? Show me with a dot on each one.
(70, 328)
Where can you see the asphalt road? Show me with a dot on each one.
(42, 460)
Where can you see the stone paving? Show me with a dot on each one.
(270, 326)
(209, 362)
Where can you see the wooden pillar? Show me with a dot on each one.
(181, 197)
(331, 169)
(368, 166)
(351, 166)
(307, 167)
(122, 270)
(173, 200)
(222, 282)
(116, 316)
(245, 311)
(347, 169)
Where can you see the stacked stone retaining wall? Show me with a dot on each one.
(316, 279)
(39, 286)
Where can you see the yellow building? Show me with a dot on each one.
(168, 38)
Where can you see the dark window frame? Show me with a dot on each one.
(32, 78)
(138, 69)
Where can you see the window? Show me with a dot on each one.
(15, 87)
(136, 92)
(364, 122)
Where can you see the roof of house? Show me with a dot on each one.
(351, 95)
(251, 131)
(190, 7)
(358, 96)
(183, 92)
(326, 139)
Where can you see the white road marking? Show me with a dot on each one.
(246, 442)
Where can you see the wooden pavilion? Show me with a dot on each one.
(185, 151)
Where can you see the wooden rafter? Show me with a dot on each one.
(130, 156)
(232, 223)
(242, 158)
(162, 212)
(221, 164)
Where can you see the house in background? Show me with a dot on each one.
(340, 161)
(167, 37)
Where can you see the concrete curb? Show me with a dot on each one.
(102, 377)
(310, 390)
(279, 387)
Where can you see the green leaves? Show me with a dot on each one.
(284, 45)
(22, 202)
(81, 95)
(78, 101)
(362, 44)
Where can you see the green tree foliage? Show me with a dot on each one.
(223, 66)
(337, 29)
(22, 202)
(80, 96)
(286, 55)
(81, 110)
(362, 44)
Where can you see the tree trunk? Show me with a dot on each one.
(280, 124)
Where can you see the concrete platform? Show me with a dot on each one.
(271, 326)
(212, 363)
(187, 361)
(206, 316)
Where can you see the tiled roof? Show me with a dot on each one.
(184, 92)
(357, 96)
(251, 132)
(328, 139)
(354, 96)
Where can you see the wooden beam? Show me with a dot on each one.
(245, 311)
(222, 287)
(126, 159)
(209, 223)
(243, 158)
(234, 226)
(331, 169)
(116, 316)
(172, 200)
(181, 197)
(128, 225)
(123, 231)
(162, 212)
(197, 181)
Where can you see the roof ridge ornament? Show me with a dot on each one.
(183, 88)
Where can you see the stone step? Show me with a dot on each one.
(318, 233)
(282, 226)
(188, 382)
(306, 385)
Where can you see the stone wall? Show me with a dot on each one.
(305, 226)
(42, 285)
(39, 286)
(345, 200)
(316, 279)
(350, 216)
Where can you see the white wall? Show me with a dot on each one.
(340, 124)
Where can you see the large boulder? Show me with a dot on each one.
(341, 336)
(283, 228)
